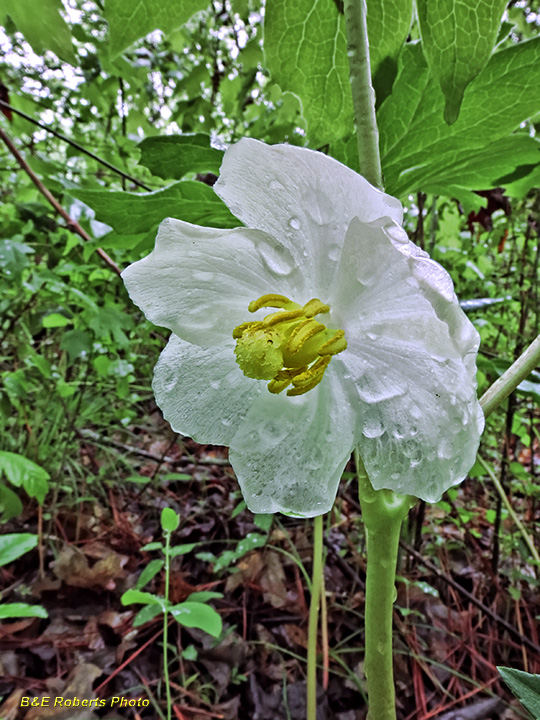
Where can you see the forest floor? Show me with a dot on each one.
(466, 602)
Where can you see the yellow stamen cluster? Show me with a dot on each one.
(288, 347)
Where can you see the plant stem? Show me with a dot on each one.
(363, 95)
(166, 622)
(522, 529)
(383, 512)
(509, 380)
(314, 618)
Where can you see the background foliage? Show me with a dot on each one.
(122, 112)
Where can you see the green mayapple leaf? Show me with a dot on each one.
(132, 213)
(306, 53)
(419, 151)
(22, 472)
(174, 156)
(526, 688)
(42, 26)
(389, 22)
(458, 38)
(130, 20)
(13, 545)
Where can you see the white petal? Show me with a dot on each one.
(202, 392)
(290, 452)
(409, 355)
(303, 198)
(198, 282)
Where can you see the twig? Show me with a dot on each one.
(524, 534)
(75, 145)
(95, 438)
(474, 601)
(70, 223)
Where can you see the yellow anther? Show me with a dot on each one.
(314, 307)
(240, 329)
(281, 317)
(269, 300)
(335, 345)
(310, 378)
(302, 333)
(288, 346)
(317, 368)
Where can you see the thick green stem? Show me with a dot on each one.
(509, 380)
(314, 618)
(383, 512)
(363, 95)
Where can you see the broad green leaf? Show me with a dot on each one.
(18, 610)
(76, 342)
(140, 597)
(42, 26)
(458, 38)
(183, 549)
(10, 504)
(196, 614)
(174, 156)
(204, 596)
(131, 213)
(389, 22)
(153, 545)
(130, 20)
(526, 688)
(13, 258)
(169, 520)
(149, 572)
(23, 472)
(482, 169)
(13, 545)
(55, 320)
(145, 614)
(306, 53)
(419, 151)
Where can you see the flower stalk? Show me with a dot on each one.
(316, 584)
(363, 95)
(508, 382)
(383, 512)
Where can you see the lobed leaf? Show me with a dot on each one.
(130, 20)
(306, 53)
(458, 38)
(131, 213)
(174, 156)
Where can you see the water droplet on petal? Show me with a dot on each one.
(334, 252)
(294, 222)
(373, 427)
(365, 274)
(397, 234)
(399, 432)
(277, 259)
(169, 384)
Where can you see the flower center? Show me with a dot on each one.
(288, 347)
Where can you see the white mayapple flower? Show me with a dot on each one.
(315, 328)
